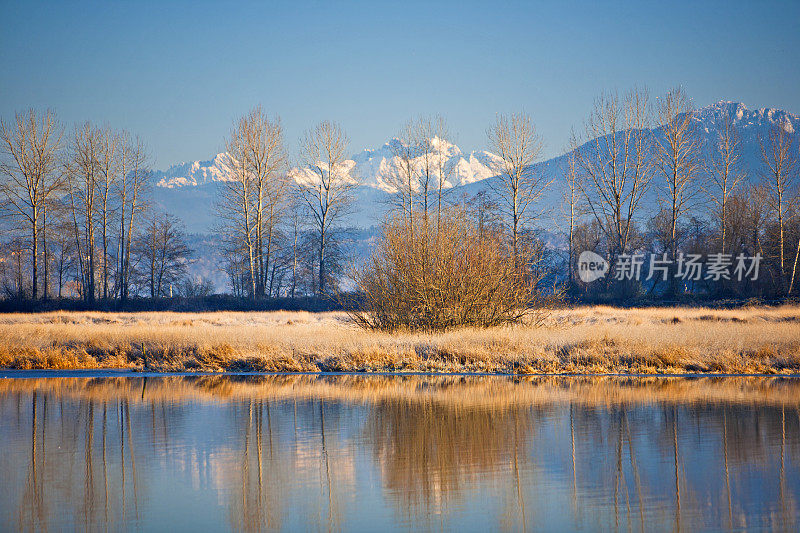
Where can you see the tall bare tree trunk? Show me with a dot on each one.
(28, 159)
(575, 209)
(83, 169)
(519, 186)
(35, 254)
(723, 174)
(677, 158)
(616, 165)
(45, 257)
(794, 268)
(325, 184)
(780, 159)
(248, 206)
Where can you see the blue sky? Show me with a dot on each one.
(178, 73)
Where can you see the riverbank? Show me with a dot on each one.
(586, 340)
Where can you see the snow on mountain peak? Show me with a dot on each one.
(745, 118)
(379, 167)
(372, 167)
(196, 172)
(375, 168)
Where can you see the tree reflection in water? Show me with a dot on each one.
(339, 452)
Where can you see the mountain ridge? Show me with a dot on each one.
(187, 190)
(371, 167)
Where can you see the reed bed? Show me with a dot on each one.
(586, 340)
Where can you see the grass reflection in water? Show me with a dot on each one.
(354, 452)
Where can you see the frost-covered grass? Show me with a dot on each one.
(578, 340)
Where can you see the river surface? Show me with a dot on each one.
(373, 453)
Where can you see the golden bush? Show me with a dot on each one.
(432, 277)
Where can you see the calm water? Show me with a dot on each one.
(379, 452)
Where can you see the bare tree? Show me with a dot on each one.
(51, 211)
(574, 209)
(748, 217)
(425, 142)
(235, 268)
(83, 173)
(677, 158)
(723, 174)
(430, 142)
(404, 177)
(295, 235)
(326, 185)
(235, 207)
(615, 164)
(163, 253)
(265, 158)
(780, 159)
(252, 203)
(483, 209)
(131, 188)
(28, 173)
(441, 158)
(420, 166)
(14, 256)
(109, 163)
(518, 184)
(63, 249)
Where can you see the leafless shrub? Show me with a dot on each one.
(425, 278)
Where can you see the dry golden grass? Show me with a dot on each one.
(579, 340)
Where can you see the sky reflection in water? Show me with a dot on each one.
(418, 452)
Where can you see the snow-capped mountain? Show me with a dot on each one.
(377, 168)
(372, 168)
(748, 122)
(188, 189)
(750, 126)
(195, 173)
